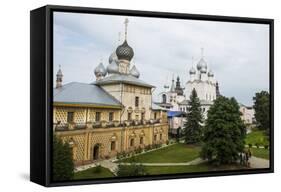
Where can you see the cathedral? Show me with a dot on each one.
(201, 79)
(111, 115)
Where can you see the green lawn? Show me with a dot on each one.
(261, 153)
(257, 137)
(176, 153)
(93, 173)
(158, 170)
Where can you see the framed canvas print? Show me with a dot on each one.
(122, 95)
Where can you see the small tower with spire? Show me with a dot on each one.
(59, 78)
(173, 85)
(178, 88)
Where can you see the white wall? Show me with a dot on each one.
(14, 78)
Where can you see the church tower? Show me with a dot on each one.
(59, 78)
(121, 80)
(203, 81)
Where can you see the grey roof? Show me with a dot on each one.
(164, 104)
(202, 102)
(134, 72)
(206, 102)
(184, 102)
(82, 93)
(156, 107)
(242, 105)
(122, 78)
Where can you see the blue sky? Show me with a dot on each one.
(237, 53)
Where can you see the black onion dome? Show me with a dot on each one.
(124, 51)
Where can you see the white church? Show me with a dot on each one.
(201, 78)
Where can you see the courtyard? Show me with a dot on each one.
(172, 159)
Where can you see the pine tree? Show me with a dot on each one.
(194, 118)
(224, 132)
(262, 110)
(63, 166)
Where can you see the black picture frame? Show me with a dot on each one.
(41, 83)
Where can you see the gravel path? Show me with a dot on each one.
(256, 162)
(193, 162)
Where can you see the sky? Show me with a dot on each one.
(237, 53)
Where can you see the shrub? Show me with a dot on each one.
(107, 157)
(257, 145)
(138, 150)
(148, 147)
(131, 170)
(154, 146)
(266, 146)
(118, 155)
(250, 145)
(123, 154)
(97, 169)
(167, 142)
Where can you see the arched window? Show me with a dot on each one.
(113, 145)
(164, 98)
(141, 140)
(132, 142)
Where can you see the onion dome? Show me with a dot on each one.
(112, 67)
(134, 72)
(202, 63)
(203, 69)
(124, 51)
(192, 71)
(100, 70)
(210, 73)
(112, 57)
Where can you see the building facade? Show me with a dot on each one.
(247, 114)
(172, 96)
(114, 114)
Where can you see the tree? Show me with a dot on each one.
(262, 110)
(224, 132)
(134, 169)
(63, 166)
(194, 118)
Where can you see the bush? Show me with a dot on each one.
(138, 150)
(250, 145)
(154, 146)
(123, 154)
(167, 142)
(148, 147)
(266, 146)
(118, 155)
(257, 145)
(97, 169)
(131, 170)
